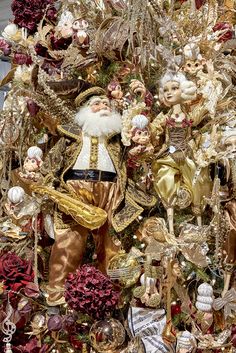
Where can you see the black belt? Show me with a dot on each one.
(89, 175)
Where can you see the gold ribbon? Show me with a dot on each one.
(228, 302)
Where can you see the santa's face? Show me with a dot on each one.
(97, 118)
(100, 105)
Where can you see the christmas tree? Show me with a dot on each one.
(118, 177)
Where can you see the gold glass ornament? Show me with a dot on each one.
(125, 269)
(107, 335)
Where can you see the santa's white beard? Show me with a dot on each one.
(102, 123)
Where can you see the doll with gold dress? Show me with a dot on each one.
(174, 169)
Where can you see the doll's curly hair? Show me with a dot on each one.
(188, 88)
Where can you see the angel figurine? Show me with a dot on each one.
(174, 168)
(32, 164)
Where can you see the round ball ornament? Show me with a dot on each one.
(107, 335)
(124, 269)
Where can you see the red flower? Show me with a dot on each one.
(226, 28)
(5, 47)
(91, 292)
(15, 272)
(21, 59)
(28, 13)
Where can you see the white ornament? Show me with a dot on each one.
(185, 341)
(205, 298)
(16, 194)
(35, 152)
(205, 289)
(140, 121)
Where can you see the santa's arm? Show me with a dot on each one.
(54, 162)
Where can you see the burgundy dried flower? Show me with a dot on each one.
(15, 272)
(32, 347)
(91, 292)
(28, 13)
(60, 43)
(227, 31)
(5, 47)
(41, 50)
(51, 13)
(31, 290)
(22, 59)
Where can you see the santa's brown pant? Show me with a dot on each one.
(70, 243)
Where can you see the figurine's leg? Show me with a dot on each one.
(105, 247)
(66, 256)
(170, 217)
(199, 221)
(227, 278)
(166, 183)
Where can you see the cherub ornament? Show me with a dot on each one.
(80, 35)
(20, 209)
(193, 60)
(141, 149)
(116, 94)
(32, 164)
(140, 135)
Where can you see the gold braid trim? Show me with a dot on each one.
(68, 131)
(233, 173)
(126, 215)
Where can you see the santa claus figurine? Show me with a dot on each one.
(93, 173)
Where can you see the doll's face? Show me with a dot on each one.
(192, 67)
(230, 143)
(141, 137)
(31, 164)
(172, 92)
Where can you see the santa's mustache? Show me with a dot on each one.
(104, 112)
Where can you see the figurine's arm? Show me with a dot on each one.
(198, 114)
(54, 161)
(157, 128)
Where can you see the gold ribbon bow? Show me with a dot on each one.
(228, 302)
